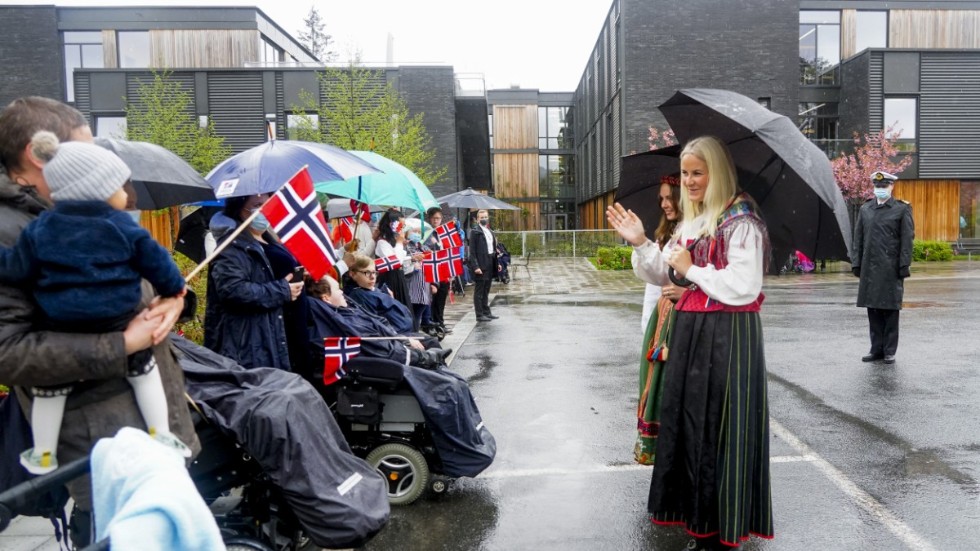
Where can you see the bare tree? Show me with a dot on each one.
(315, 38)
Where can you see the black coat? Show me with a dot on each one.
(480, 256)
(883, 252)
(243, 319)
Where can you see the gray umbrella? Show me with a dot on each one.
(469, 198)
(161, 178)
(791, 178)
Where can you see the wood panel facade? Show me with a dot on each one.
(592, 213)
(199, 49)
(935, 207)
(162, 225)
(526, 219)
(515, 127)
(934, 29)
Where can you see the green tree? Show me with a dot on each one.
(163, 113)
(316, 40)
(360, 111)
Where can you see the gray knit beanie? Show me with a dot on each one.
(79, 171)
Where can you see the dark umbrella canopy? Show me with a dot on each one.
(472, 199)
(789, 176)
(160, 177)
(639, 183)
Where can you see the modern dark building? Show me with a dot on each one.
(648, 49)
(238, 66)
(835, 66)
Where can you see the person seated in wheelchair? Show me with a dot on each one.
(362, 288)
(332, 315)
(503, 262)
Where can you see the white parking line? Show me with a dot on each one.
(598, 469)
(862, 499)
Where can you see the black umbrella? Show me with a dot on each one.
(472, 199)
(160, 177)
(787, 175)
(639, 183)
(192, 232)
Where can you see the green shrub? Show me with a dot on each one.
(613, 258)
(194, 329)
(931, 251)
(4, 391)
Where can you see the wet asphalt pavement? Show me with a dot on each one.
(865, 456)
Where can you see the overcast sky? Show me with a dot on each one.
(540, 44)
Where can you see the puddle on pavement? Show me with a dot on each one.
(923, 304)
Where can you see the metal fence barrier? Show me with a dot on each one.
(558, 243)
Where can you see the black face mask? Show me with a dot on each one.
(484, 222)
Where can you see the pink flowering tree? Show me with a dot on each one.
(660, 139)
(871, 152)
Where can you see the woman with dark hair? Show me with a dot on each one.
(391, 242)
(660, 320)
(249, 284)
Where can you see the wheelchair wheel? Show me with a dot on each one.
(404, 468)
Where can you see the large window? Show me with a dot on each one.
(111, 126)
(819, 123)
(819, 47)
(969, 221)
(552, 128)
(82, 50)
(134, 49)
(270, 53)
(872, 30)
(556, 176)
(303, 126)
(490, 126)
(902, 116)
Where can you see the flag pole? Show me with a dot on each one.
(241, 227)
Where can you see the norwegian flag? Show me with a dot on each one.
(336, 352)
(448, 235)
(295, 215)
(356, 206)
(442, 265)
(387, 264)
(347, 228)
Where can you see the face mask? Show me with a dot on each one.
(415, 237)
(883, 193)
(135, 215)
(484, 222)
(261, 223)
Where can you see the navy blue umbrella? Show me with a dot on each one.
(266, 167)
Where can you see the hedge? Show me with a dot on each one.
(614, 258)
(931, 251)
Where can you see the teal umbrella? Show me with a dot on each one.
(394, 186)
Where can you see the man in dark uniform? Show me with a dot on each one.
(483, 264)
(882, 256)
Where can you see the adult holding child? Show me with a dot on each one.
(712, 453)
(31, 356)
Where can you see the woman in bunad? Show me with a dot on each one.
(712, 453)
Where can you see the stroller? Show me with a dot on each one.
(503, 263)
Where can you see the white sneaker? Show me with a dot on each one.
(38, 463)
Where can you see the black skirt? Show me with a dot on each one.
(712, 471)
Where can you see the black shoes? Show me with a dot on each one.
(483, 318)
(872, 358)
(493, 317)
(889, 359)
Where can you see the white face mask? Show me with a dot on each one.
(135, 215)
(882, 193)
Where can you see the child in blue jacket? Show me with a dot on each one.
(84, 260)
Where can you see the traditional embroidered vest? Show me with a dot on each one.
(715, 251)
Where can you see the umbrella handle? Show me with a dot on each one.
(679, 281)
